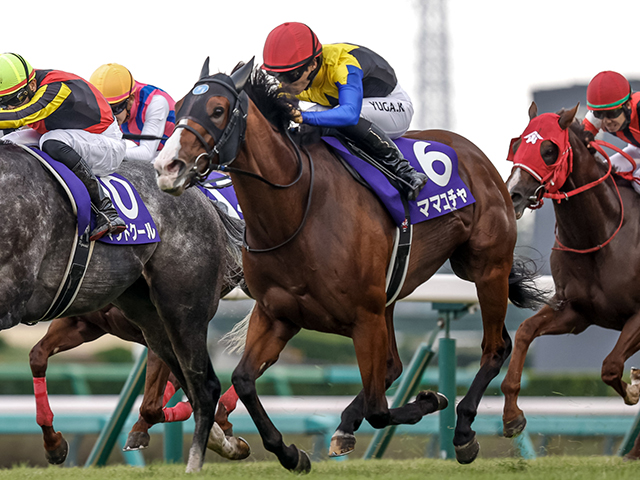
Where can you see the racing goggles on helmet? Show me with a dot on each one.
(611, 114)
(15, 100)
(291, 76)
(118, 108)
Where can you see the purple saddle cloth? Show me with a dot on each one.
(125, 198)
(444, 192)
(219, 189)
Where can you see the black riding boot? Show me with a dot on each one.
(373, 141)
(107, 219)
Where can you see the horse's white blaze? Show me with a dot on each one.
(514, 179)
(171, 151)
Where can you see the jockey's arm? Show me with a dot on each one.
(347, 112)
(154, 125)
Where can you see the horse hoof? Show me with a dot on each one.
(58, 455)
(515, 427)
(342, 444)
(231, 448)
(304, 462)
(136, 441)
(468, 452)
(630, 458)
(429, 397)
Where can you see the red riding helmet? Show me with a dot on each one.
(290, 46)
(607, 90)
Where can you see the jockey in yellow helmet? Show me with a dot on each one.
(146, 114)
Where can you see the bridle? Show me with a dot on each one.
(227, 142)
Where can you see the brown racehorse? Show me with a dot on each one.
(318, 246)
(595, 265)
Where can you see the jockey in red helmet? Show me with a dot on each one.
(613, 108)
(355, 91)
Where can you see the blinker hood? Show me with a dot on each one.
(194, 107)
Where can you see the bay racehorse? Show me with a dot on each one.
(318, 245)
(67, 333)
(595, 262)
(169, 289)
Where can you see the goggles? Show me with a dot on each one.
(611, 114)
(15, 100)
(118, 108)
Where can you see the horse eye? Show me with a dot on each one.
(218, 112)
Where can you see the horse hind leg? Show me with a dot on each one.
(265, 340)
(496, 347)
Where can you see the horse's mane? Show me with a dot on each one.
(273, 101)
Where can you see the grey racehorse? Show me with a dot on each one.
(169, 289)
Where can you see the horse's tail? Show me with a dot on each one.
(234, 230)
(523, 290)
(235, 340)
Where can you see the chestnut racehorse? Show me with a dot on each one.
(318, 245)
(595, 265)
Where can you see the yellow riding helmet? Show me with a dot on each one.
(15, 73)
(114, 81)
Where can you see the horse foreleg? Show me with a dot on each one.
(343, 440)
(63, 334)
(266, 338)
(612, 368)
(546, 322)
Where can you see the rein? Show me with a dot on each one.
(234, 133)
(597, 145)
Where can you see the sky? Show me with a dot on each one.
(500, 51)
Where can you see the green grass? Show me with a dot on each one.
(547, 468)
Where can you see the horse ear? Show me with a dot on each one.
(205, 69)
(533, 111)
(241, 75)
(566, 117)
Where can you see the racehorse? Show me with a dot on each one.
(144, 281)
(317, 246)
(67, 333)
(595, 263)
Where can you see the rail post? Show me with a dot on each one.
(109, 435)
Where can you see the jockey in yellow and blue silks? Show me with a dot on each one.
(355, 91)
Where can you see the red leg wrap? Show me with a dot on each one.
(179, 413)
(44, 415)
(229, 399)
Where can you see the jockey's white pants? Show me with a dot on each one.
(392, 113)
(103, 152)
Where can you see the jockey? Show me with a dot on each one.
(71, 121)
(139, 108)
(613, 108)
(354, 91)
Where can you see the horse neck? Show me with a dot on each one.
(590, 217)
(271, 214)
